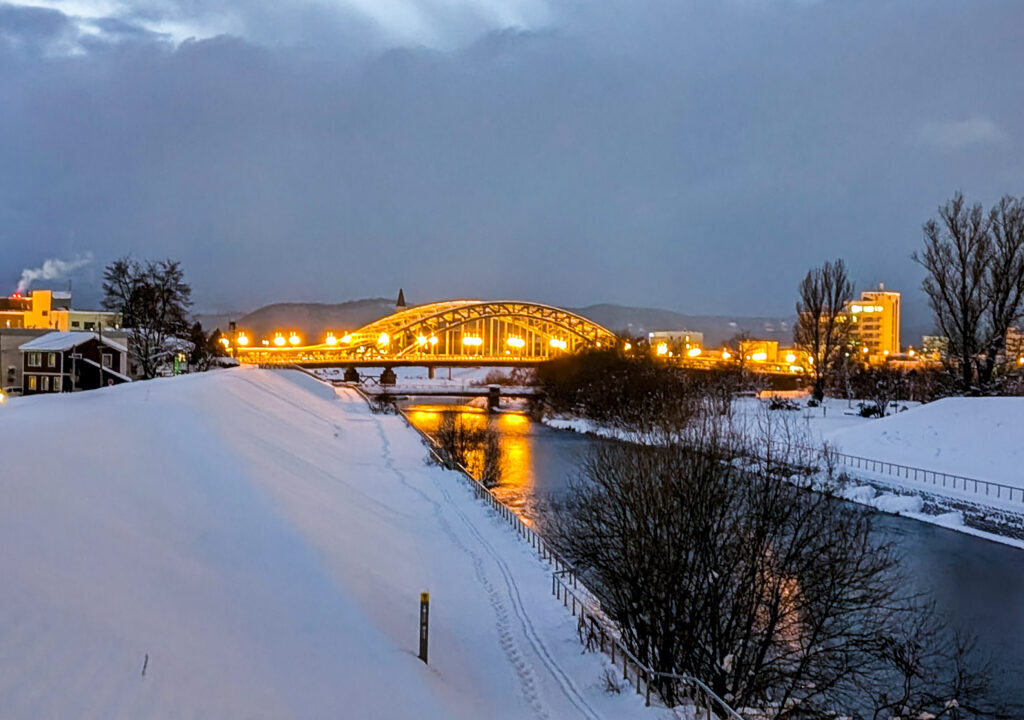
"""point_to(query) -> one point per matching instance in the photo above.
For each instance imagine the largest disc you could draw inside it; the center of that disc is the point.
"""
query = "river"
(975, 583)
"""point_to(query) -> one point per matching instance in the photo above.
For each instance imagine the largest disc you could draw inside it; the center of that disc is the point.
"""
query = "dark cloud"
(32, 31)
(696, 156)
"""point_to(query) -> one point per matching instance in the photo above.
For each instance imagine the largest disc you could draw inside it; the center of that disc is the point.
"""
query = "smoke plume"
(52, 269)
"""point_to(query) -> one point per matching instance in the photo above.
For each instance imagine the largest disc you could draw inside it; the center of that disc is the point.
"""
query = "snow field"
(979, 438)
(264, 539)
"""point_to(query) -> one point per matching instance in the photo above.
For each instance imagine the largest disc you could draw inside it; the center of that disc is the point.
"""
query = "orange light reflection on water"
(515, 486)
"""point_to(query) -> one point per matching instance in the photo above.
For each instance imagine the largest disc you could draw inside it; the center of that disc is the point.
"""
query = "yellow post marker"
(424, 623)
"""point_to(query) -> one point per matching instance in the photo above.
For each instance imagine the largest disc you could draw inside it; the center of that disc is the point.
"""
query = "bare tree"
(474, 446)
(956, 256)
(780, 598)
(153, 301)
(975, 282)
(1004, 280)
(822, 329)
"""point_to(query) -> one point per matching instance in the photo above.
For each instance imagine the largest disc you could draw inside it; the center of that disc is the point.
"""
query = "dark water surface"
(976, 584)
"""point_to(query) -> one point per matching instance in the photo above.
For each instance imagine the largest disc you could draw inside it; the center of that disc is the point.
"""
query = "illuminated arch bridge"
(457, 331)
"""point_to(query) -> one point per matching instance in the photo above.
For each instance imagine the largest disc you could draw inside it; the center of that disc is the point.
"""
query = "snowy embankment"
(979, 438)
(976, 438)
(264, 540)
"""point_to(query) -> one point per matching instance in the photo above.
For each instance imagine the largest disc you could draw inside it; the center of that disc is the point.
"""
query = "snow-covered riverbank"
(976, 438)
(263, 539)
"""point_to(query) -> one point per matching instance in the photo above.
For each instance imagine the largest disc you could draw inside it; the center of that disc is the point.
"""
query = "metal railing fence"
(983, 489)
(935, 478)
(566, 586)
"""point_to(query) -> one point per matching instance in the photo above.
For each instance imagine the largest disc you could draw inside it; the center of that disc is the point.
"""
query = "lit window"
(56, 384)
(32, 382)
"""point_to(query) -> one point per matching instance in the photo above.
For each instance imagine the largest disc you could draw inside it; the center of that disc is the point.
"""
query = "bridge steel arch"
(474, 330)
(453, 331)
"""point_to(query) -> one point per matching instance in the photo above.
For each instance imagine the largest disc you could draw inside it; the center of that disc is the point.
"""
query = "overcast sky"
(697, 155)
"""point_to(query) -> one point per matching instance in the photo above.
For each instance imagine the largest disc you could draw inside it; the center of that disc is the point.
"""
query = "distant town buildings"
(676, 343)
(25, 318)
(873, 320)
(51, 310)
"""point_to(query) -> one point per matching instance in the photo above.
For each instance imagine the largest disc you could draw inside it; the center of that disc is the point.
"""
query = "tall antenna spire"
(400, 303)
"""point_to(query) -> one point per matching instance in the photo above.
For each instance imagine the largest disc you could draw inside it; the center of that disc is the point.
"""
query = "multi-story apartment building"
(875, 323)
(51, 310)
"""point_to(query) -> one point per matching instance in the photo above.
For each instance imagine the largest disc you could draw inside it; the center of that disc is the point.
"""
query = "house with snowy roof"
(70, 361)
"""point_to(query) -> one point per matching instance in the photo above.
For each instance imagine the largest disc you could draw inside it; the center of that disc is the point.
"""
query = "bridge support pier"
(430, 371)
(388, 377)
(351, 374)
(493, 397)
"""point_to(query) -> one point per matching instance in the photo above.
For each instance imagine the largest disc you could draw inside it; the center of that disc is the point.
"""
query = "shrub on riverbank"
(629, 393)
(476, 447)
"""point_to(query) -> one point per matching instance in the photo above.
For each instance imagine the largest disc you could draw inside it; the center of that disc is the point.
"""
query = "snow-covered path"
(264, 540)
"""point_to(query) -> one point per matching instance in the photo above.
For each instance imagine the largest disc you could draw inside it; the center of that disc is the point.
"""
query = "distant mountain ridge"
(313, 320)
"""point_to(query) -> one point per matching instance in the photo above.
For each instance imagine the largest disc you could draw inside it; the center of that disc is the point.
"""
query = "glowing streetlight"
(346, 338)
(790, 358)
(759, 356)
(383, 339)
(294, 339)
(279, 339)
(662, 349)
(726, 354)
(242, 339)
(627, 347)
(516, 342)
(693, 352)
(558, 343)
(433, 340)
(421, 340)
(225, 342)
(330, 339)
(472, 340)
